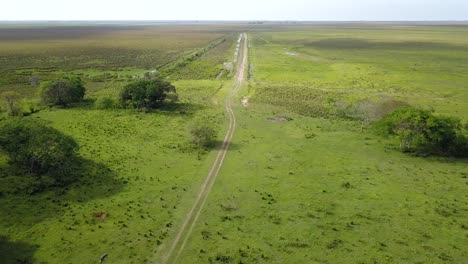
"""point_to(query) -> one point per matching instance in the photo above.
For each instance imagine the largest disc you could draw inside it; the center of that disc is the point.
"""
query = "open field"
(422, 65)
(102, 53)
(137, 168)
(299, 184)
(135, 174)
(318, 190)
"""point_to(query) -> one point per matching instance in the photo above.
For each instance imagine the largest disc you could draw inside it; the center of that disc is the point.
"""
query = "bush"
(11, 103)
(368, 111)
(37, 148)
(423, 133)
(30, 107)
(202, 135)
(104, 103)
(62, 92)
(147, 94)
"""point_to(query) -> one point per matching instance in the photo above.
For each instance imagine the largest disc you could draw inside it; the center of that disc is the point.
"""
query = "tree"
(38, 148)
(63, 92)
(148, 94)
(422, 132)
(10, 102)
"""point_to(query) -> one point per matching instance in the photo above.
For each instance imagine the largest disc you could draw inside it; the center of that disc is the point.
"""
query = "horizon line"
(221, 20)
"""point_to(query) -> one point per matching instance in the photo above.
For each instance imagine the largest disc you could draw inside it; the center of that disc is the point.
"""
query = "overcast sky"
(234, 10)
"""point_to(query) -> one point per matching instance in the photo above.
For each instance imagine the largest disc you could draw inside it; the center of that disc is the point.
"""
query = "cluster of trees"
(38, 149)
(147, 94)
(423, 133)
(59, 92)
(50, 155)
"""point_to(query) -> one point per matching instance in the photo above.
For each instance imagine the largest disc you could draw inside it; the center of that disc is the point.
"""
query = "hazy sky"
(234, 10)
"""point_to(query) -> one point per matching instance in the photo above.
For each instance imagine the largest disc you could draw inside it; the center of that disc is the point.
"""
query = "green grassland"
(138, 168)
(318, 190)
(422, 65)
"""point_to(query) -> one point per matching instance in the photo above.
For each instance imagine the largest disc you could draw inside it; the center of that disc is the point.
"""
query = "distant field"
(100, 53)
(422, 65)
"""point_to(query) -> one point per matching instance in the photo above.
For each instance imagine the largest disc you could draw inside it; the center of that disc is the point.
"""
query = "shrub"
(202, 135)
(11, 103)
(422, 132)
(368, 111)
(62, 92)
(104, 103)
(38, 148)
(30, 106)
(34, 80)
(147, 94)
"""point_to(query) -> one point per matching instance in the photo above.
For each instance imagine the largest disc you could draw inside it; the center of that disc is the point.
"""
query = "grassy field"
(314, 189)
(101, 54)
(138, 169)
(318, 190)
(422, 65)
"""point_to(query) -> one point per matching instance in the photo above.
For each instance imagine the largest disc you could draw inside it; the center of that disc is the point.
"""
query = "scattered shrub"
(62, 92)
(34, 80)
(367, 110)
(38, 148)
(423, 133)
(202, 135)
(147, 94)
(30, 107)
(104, 103)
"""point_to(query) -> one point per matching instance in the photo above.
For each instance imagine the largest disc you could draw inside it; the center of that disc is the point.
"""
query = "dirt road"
(173, 253)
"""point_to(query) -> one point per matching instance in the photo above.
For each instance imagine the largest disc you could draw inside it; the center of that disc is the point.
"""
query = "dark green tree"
(38, 148)
(422, 132)
(148, 94)
(62, 92)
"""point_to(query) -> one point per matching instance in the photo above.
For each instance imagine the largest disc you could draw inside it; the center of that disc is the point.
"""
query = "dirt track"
(173, 253)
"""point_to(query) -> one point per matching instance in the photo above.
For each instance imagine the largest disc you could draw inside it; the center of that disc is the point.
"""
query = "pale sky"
(312, 10)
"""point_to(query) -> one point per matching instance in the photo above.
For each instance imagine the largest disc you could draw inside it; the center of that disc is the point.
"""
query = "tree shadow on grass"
(180, 108)
(218, 145)
(16, 252)
(25, 201)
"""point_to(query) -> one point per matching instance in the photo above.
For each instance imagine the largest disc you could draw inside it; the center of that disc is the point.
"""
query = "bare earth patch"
(245, 101)
(278, 119)
(101, 215)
